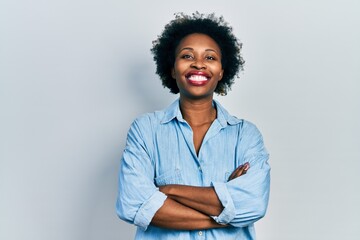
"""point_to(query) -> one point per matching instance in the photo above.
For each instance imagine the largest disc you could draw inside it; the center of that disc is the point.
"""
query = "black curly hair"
(164, 47)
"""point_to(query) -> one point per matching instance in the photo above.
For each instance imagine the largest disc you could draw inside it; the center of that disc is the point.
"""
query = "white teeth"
(197, 78)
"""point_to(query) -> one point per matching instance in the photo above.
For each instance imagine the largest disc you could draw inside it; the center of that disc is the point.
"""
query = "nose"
(198, 64)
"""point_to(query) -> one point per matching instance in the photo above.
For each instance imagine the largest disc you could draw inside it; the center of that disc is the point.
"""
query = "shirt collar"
(224, 118)
(171, 112)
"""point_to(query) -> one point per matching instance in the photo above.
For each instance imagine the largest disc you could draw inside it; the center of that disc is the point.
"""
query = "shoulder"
(149, 119)
(227, 119)
(142, 130)
(249, 126)
(155, 119)
(245, 128)
(149, 122)
(249, 130)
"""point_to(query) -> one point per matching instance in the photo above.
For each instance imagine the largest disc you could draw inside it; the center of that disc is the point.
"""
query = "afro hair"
(183, 25)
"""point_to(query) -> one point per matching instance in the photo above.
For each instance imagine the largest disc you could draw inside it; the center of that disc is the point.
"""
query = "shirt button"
(200, 233)
(200, 169)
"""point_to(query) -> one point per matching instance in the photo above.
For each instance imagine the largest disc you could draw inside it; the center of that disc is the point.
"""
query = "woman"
(192, 171)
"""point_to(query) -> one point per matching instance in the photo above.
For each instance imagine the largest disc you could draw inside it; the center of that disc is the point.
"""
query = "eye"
(186, 56)
(210, 58)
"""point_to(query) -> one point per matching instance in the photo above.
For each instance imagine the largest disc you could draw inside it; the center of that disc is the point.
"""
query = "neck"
(197, 112)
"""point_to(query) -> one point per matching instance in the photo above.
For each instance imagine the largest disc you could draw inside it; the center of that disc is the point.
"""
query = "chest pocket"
(169, 177)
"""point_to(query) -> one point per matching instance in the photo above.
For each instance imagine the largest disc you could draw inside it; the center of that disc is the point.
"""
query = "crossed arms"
(240, 201)
(189, 207)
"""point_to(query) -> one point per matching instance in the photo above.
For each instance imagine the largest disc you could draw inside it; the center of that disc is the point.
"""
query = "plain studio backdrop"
(75, 74)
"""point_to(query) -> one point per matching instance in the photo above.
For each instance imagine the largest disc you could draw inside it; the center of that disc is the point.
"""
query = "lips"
(197, 78)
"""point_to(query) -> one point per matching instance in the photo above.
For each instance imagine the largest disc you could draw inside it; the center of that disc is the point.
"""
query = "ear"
(221, 75)
(173, 73)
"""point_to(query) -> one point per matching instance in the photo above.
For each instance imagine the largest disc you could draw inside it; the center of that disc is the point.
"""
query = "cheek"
(176, 74)
(174, 70)
(177, 70)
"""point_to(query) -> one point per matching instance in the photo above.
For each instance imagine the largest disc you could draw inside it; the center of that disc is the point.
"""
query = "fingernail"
(247, 166)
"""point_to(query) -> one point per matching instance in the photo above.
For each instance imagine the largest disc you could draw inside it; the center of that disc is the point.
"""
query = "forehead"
(198, 41)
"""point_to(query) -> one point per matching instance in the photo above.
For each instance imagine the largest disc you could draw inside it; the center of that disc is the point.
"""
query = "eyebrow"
(189, 48)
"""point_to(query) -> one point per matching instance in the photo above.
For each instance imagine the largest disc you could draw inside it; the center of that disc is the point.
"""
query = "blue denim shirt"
(160, 151)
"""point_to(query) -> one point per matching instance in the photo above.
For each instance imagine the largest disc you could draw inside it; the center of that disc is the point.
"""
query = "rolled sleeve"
(148, 209)
(224, 196)
(245, 198)
(138, 198)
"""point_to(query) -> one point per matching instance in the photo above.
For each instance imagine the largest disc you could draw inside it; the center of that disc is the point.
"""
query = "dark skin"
(190, 207)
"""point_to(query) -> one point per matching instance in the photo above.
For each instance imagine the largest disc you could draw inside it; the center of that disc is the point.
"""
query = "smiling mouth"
(197, 78)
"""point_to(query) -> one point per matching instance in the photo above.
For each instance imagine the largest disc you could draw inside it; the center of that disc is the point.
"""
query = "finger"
(245, 169)
(241, 170)
(236, 172)
(232, 175)
(246, 166)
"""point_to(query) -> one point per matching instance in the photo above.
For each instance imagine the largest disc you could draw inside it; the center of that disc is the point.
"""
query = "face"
(197, 69)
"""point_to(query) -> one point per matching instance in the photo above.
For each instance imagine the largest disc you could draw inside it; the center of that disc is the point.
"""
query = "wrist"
(165, 189)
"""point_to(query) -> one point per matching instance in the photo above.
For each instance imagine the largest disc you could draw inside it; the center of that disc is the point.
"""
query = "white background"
(74, 74)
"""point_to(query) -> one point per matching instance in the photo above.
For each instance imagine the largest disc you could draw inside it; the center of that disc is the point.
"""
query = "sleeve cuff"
(148, 209)
(223, 194)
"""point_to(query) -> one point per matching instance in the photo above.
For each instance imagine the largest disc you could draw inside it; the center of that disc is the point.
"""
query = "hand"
(239, 171)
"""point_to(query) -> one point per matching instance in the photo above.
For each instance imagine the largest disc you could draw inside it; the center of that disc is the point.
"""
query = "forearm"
(203, 199)
(174, 215)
